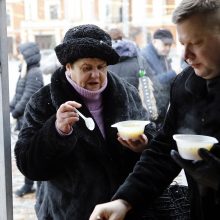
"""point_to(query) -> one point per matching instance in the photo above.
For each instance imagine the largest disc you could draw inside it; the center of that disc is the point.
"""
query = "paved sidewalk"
(23, 208)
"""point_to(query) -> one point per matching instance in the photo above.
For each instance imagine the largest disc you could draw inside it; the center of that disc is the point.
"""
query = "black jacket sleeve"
(154, 171)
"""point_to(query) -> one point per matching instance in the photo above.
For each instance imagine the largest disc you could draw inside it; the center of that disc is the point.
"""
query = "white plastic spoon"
(88, 121)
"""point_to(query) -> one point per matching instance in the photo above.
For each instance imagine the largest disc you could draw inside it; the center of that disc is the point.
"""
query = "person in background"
(156, 55)
(131, 64)
(194, 106)
(49, 64)
(128, 66)
(116, 34)
(29, 81)
(79, 167)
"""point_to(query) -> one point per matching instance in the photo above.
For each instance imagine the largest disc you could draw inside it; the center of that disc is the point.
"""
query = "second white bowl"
(188, 144)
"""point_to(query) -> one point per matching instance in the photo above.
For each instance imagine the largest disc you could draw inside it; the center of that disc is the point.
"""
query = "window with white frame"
(52, 9)
(31, 9)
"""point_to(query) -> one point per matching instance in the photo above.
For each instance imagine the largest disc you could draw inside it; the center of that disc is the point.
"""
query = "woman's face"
(88, 73)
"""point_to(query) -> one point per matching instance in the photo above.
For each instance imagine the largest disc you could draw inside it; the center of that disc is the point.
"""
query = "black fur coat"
(83, 169)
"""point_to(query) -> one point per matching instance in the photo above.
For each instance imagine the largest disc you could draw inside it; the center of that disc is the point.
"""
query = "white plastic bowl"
(131, 129)
(188, 145)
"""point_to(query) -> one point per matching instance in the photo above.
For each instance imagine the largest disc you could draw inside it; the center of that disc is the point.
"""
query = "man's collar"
(196, 85)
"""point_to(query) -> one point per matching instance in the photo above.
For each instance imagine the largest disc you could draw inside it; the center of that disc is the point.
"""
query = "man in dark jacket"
(29, 81)
(156, 55)
(194, 107)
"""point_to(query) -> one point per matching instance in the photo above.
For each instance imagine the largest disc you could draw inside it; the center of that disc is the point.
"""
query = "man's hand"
(115, 210)
(66, 116)
(137, 145)
(205, 172)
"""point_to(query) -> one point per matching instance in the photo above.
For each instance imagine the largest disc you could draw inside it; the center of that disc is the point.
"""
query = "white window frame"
(49, 3)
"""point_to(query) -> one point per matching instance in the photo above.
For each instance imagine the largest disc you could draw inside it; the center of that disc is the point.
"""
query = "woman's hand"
(115, 210)
(137, 145)
(66, 116)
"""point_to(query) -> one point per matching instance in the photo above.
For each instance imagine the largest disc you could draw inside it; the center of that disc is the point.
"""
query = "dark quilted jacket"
(26, 86)
(128, 66)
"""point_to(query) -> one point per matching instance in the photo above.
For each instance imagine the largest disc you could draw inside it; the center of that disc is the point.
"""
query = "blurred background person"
(116, 34)
(49, 64)
(29, 81)
(130, 67)
(156, 55)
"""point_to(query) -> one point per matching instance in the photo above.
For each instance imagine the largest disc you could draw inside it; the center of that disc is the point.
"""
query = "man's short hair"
(164, 35)
(116, 34)
(187, 8)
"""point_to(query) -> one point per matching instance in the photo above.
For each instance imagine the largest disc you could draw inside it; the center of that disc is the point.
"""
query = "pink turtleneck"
(93, 101)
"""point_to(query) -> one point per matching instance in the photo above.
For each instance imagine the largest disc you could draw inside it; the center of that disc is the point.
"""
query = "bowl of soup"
(130, 129)
(188, 144)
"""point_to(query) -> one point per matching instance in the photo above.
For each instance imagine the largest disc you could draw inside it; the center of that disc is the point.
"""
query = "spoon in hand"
(88, 121)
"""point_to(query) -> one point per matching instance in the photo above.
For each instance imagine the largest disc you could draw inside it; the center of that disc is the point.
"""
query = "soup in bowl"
(130, 129)
(188, 144)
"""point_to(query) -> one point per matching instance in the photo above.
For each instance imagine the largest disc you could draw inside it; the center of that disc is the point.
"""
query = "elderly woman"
(79, 167)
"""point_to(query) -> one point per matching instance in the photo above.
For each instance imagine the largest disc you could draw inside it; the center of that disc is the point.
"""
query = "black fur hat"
(86, 41)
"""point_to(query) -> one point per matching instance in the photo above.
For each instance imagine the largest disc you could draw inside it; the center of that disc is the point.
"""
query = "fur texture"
(80, 170)
(86, 41)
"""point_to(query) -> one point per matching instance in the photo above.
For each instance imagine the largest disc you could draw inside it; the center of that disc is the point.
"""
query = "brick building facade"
(46, 21)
